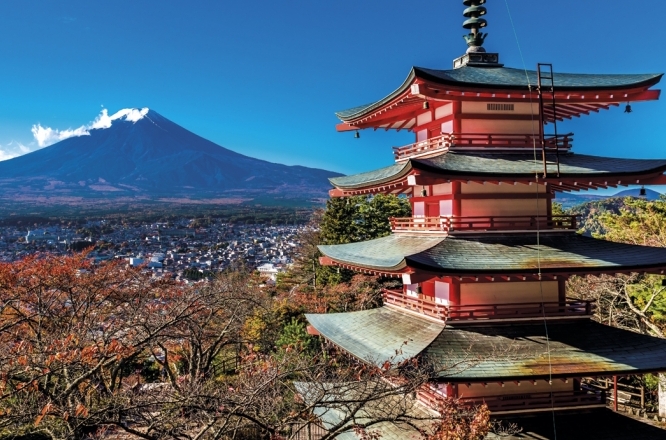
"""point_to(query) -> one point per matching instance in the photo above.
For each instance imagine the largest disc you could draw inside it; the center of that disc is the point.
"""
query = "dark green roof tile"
(377, 176)
(524, 165)
(381, 253)
(555, 252)
(498, 352)
(514, 351)
(505, 78)
(509, 165)
(333, 414)
(497, 253)
(378, 335)
(580, 425)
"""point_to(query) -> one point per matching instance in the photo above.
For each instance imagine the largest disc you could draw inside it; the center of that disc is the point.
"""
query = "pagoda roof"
(378, 335)
(602, 423)
(323, 397)
(499, 352)
(496, 254)
(506, 165)
(504, 78)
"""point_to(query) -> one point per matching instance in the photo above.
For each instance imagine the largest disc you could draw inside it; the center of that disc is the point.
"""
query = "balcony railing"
(521, 310)
(483, 312)
(535, 401)
(474, 141)
(416, 304)
(483, 223)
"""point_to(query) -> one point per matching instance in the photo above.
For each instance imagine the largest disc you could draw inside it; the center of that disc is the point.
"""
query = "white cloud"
(12, 150)
(130, 114)
(46, 136)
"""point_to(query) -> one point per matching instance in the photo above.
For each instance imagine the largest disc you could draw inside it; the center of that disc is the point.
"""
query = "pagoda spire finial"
(475, 38)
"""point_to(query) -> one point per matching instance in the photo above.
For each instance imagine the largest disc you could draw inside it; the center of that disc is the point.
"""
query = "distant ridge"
(635, 192)
(569, 200)
(142, 155)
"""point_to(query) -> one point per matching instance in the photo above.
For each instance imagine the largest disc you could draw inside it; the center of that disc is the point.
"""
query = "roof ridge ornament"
(475, 38)
(476, 55)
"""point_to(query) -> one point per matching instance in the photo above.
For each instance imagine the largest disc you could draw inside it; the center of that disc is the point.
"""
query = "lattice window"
(501, 107)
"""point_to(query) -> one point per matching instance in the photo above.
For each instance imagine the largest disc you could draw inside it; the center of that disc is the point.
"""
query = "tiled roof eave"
(532, 271)
(647, 83)
(423, 165)
(487, 254)
(353, 114)
(518, 351)
(360, 267)
(373, 182)
(446, 169)
(362, 110)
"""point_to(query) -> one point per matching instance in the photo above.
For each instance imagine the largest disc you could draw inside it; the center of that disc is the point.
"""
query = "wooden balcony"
(484, 312)
(540, 401)
(476, 141)
(448, 224)
(570, 308)
(424, 306)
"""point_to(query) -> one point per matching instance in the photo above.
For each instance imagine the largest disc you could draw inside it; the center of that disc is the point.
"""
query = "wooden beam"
(345, 127)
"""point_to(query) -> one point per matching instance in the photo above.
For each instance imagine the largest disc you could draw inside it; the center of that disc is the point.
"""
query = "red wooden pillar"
(454, 292)
(456, 190)
(457, 120)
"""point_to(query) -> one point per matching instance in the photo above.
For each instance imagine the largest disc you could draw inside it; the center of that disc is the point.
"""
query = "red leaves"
(460, 422)
(81, 411)
(47, 408)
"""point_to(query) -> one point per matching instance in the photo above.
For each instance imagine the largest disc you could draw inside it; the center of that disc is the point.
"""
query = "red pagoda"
(483, 259)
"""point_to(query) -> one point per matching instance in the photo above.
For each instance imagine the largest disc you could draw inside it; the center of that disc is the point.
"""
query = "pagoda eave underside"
(488, 353)
(400, 109)
(576, 172)
(494, 257)
(555, 184)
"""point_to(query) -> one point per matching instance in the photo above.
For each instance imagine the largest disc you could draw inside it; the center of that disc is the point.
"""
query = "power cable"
(538, 217)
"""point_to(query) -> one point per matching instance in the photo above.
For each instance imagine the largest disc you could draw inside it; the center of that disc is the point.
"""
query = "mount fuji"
(139, 154)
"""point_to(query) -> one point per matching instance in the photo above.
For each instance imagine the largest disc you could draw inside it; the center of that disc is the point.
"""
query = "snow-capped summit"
(127, 114)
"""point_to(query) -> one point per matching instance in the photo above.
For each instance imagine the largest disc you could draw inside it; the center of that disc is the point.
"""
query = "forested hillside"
(638, 301)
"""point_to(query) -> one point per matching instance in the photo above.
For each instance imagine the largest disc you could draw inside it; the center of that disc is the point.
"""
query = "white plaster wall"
(504, 188)
(508, 292)
(441, 189)
(503, 207)
(443, 111)
(447, 127)
(498, 126)
(424, 118)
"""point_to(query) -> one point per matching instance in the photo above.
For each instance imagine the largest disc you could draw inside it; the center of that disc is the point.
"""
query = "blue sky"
(265, 77)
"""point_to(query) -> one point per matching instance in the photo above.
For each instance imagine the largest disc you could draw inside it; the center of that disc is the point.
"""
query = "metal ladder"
(546, 89)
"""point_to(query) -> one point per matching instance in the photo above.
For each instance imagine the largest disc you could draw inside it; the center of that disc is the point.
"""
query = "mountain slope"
(153, 157)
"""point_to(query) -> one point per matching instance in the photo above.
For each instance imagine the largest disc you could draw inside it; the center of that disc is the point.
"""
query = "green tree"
(339, 221)
(374, 214)
(354, 219)
(295, 335)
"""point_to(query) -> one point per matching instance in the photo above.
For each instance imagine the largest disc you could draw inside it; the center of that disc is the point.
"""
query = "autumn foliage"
(75, 339)
(90, 351)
